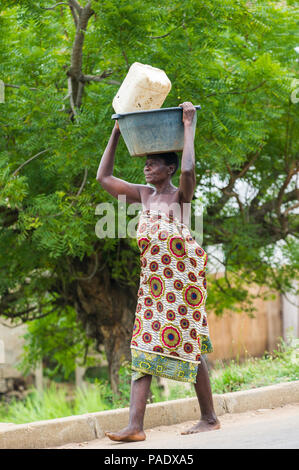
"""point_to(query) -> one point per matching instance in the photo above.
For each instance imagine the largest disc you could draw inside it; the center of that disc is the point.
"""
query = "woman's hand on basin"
(188, 112)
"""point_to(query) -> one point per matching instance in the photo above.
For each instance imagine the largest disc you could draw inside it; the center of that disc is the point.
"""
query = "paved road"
(262, 429)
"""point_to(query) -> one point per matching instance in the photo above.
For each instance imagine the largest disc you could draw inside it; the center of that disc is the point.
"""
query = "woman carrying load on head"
(170, 332)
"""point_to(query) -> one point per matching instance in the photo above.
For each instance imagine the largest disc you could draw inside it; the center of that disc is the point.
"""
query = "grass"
(282, 365)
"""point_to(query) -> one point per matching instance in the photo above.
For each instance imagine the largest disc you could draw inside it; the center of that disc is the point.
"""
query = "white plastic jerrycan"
(145, 87)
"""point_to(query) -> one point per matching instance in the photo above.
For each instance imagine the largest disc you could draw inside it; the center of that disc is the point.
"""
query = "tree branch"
(96, 78)
(70, 94)
(165, 35)
(294, 206)
(78, 194)
(74, 14)
(54, 6)
(76, 5)
(75, 71)
(17, 86)
(249, 90)
(291, 172)
(28, 161)
(234, 194)
(126, 58)
(227, 191)
(270, 205)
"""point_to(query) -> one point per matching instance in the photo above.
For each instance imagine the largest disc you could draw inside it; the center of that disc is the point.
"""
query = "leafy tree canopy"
(62, 64)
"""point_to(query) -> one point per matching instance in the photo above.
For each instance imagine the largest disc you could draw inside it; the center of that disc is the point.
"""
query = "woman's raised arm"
(110, 183)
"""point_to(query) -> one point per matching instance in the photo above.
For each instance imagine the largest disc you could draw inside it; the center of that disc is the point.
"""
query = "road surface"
(261, 429)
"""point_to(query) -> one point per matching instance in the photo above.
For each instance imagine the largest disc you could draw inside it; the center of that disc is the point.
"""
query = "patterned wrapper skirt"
(170, 331)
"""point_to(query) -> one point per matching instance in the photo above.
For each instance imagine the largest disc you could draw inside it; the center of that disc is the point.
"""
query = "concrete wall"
(11, 345)
(290, 306)
(238, 335)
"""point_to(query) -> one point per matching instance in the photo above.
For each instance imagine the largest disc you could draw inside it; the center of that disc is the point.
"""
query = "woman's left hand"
(188, 112)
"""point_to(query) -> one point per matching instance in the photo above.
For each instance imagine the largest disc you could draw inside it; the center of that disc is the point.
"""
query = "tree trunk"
(107, 312)
(116, 340)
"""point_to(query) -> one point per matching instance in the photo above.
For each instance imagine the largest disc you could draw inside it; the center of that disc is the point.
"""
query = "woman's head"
(160, 166)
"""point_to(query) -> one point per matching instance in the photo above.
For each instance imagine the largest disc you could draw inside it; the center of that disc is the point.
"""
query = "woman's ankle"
(210, 418)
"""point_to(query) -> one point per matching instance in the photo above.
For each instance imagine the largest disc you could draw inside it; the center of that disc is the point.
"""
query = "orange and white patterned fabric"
(170, 316)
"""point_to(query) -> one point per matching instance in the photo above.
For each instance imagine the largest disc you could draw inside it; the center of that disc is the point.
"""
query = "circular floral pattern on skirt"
(156, 325)
(142, 227)
(184, 323)
(143, 244)
(178, 285)
(148, 301)
(153, 266)
(156, 286)
(181, 266)
(196, 315)
(166, 259)
(193, 296)
(177, 247)
(158, 349)
(199, 251)
(204, 321)
(205, 283)
(168, 273)
(137, 327)
(138, 308)
(163, 235)
(155, 249)
(160, 307)
(140, 292)
(182, 309)
(170, 315)
(193, 262)
(148, 314)
(170, 297)
(134, 343)
(190, 239)
(192, 277)
(171, 337)
(188, 348)
(193, 333)
(147, 337)
(154, 228)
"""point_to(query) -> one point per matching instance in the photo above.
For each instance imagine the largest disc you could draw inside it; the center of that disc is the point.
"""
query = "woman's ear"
(171, 169)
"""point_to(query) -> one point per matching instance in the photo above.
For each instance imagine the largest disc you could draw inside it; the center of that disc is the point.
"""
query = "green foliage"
(58, 338)
(235, 58)
(58, 401)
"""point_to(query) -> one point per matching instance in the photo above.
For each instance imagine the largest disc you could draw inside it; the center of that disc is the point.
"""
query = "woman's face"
(155, 170)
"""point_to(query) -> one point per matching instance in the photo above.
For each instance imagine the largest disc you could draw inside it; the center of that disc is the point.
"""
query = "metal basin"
(153, 131)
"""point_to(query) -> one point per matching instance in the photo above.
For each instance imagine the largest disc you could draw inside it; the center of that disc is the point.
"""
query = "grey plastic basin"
(153, 131)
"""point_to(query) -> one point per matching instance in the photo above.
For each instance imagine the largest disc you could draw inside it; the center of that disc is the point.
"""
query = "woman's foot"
(127, 435)
(203, 425)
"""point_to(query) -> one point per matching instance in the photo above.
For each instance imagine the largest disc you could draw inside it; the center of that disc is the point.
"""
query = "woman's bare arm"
(110, 183)
(188, 176)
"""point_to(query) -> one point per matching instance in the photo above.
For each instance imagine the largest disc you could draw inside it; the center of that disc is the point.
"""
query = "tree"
(61, 66)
